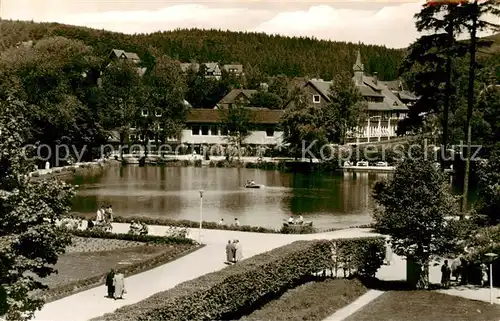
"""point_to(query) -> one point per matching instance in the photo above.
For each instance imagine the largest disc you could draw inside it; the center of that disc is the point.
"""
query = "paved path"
(360, 302)
(92, 303)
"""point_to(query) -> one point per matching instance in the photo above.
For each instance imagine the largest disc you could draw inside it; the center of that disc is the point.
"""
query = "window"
(172, 138)
(270, 132)
(195, 130)
(132, 138)
(214, 131)
(316, 99)
(224, 131)
(158, 113)
(144, 113)
(141, 137)
(204, 130)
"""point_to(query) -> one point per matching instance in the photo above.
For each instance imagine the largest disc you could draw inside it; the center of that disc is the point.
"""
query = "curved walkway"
(92, 303)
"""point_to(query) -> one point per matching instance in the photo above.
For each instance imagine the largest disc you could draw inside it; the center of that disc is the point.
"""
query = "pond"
(329, 200)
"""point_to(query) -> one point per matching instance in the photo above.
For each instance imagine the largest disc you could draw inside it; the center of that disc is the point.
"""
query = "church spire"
(358, 66)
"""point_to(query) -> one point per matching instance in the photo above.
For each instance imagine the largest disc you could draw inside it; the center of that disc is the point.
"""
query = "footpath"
(92, 303)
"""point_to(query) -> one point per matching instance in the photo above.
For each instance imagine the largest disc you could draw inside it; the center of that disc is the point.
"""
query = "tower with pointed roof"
(359, 70)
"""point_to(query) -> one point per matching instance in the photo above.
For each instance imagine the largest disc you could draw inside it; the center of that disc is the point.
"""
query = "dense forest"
(272, 55)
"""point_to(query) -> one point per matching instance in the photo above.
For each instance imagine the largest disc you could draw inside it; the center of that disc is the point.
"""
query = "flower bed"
(239, 289)
(151, 239)
(161, 250)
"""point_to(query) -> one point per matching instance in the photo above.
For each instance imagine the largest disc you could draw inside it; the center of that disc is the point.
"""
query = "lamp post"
(492, 256)
(201, 214)
(379, 127)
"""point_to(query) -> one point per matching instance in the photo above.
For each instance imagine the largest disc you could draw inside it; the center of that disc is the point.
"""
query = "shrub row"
(150, 239)
(64, 290)
(187, 223)
(236, 290)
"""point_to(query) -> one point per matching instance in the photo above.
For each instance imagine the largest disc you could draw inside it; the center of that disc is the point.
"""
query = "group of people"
(104, 214)
(459, 269)
(298, 221)
(115, 283)
(233, 252)
(236, 222)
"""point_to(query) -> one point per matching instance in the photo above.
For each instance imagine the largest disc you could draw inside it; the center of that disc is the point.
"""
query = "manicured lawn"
(425, 305)
(313, 301)
(89, 259)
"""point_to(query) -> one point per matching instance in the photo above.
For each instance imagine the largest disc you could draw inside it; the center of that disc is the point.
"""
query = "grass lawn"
(312, 301)
(425, 305)
(88, 260)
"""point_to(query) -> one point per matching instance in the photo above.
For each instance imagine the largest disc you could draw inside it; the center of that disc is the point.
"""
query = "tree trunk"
(446, 108)
(470, 106)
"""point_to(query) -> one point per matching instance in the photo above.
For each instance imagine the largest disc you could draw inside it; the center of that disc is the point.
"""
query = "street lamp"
(492, 256)
(379, 127)
(201, 214)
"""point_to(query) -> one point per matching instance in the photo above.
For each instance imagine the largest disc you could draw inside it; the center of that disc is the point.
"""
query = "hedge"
(239, 289)
(151, 239)
(359, 256)
(186, 223)
(217, 295)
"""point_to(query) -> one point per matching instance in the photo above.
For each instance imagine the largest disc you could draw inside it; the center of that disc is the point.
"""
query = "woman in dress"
(119, 284)
(239, 253)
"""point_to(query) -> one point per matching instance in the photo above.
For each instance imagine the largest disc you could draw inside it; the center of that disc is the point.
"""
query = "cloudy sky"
(382, 22)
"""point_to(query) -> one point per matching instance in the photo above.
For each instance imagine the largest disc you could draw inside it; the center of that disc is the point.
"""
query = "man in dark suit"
(109, 283)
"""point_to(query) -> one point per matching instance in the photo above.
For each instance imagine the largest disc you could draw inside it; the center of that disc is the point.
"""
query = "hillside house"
(387, 103)
(212, 69)
(118, 54)
(234, 69)
(236, 97)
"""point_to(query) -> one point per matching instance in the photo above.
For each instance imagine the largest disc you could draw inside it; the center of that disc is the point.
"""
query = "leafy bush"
(360, 256)
(228, 292)
(151, 239)
(297, 229)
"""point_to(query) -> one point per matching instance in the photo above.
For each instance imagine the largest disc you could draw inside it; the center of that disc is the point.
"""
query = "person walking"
(110, 283)
(484, 275)
(388, 253)
(229, 252)
(119, 285)
(238, 254)
(109, 214)
(445, 275)
(100, 215)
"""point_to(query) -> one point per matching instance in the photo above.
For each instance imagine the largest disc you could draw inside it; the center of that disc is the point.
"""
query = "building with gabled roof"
(386, 103)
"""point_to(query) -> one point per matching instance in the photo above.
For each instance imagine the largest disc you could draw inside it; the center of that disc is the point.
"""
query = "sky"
(379, 22)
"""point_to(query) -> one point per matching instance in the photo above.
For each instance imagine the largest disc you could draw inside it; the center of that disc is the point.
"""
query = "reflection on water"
(173, 192)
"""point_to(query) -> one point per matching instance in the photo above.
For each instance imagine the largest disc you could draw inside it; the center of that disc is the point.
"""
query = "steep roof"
(127, 55)
(235, 93)
(323, 87)
(257, 115)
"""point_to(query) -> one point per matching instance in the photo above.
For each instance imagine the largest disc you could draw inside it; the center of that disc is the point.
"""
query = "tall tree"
(303, 128)
(120, 90)
(163, 97)
(266, 99)
(237, 122)
(345, 110)
(472, 14)
(30, 241)
(412, 208)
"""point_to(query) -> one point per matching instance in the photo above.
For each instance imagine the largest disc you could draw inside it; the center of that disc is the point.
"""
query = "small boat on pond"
(253, 186)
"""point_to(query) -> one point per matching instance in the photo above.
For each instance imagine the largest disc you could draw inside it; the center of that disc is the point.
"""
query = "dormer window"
(158, 113)
(144, 113)
(316, 99)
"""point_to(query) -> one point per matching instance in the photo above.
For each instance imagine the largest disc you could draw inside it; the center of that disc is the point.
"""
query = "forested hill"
(272, 55)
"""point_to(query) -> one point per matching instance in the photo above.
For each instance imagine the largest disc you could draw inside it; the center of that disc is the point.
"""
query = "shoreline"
(71, 170)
